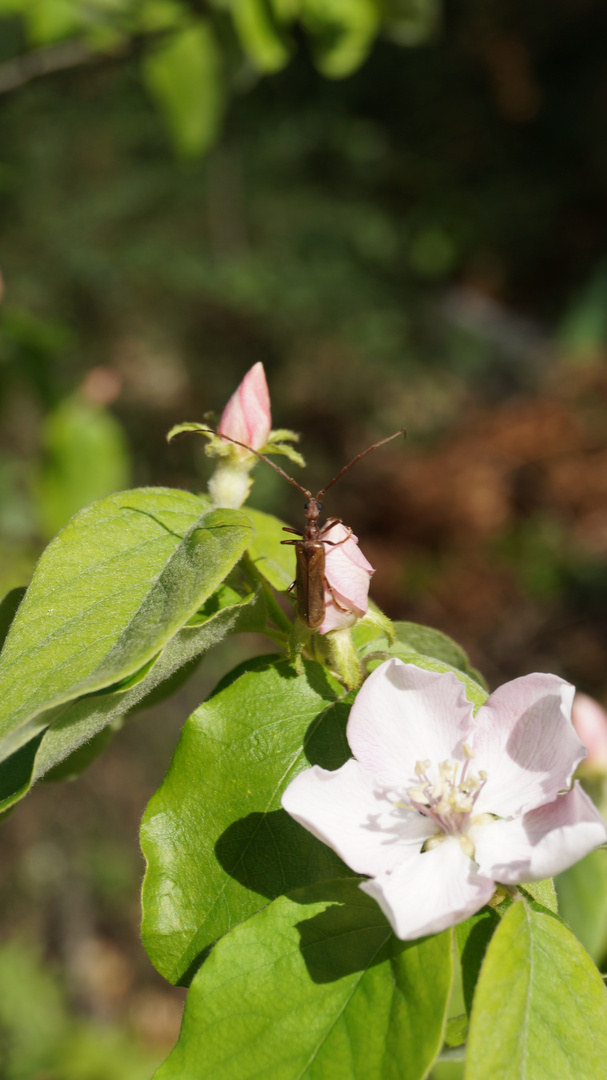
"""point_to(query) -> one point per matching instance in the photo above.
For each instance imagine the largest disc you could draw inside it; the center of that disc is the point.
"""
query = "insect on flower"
(311, 583)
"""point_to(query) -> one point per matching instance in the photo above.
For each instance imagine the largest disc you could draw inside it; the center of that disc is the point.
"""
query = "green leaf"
(375, 656)
(431, 642)
(275, 562)
(86, 457)
(544, 893)
(217, 843)
(260, 35)
(123, 576)
(582, 893)
(457, 1030)
(81, 731)
(70, 767)
(343, 33)
(183, 74)
(315, 987)
(549, 1000)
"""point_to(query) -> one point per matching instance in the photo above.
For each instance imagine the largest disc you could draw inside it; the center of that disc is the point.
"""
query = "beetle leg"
(336, 602)
(293, 583)
(290, 541)
(333, 543)
(297, 532)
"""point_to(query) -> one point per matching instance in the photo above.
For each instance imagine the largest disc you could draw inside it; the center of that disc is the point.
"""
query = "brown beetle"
(310, 578)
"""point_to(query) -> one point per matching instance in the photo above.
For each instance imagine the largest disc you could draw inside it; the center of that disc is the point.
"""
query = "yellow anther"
(468, 751)
(417, 794)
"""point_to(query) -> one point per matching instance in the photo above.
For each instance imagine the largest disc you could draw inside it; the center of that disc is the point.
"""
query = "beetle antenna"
(401, 431)
(263, 457)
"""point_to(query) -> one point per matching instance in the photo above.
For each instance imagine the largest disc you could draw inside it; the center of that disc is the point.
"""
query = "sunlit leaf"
(542, 988)
(109, 592)
(315, 987)
(217, 842)
(83, 729)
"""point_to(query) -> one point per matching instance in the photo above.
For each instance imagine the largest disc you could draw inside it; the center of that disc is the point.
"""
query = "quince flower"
(590, 721)
(347, 577)
(438, 805)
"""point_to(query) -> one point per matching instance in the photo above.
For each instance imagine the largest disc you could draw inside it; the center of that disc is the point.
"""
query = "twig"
(67, 54)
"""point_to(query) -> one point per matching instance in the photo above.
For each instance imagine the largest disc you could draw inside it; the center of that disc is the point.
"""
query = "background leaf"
(85, 458)
(274, 562)
(431, 642)
(582, 893)
(260, 36)
(550, 1001)
(342, 33)
(316, 986)
(108, 593)
(183, 74)
(217, 843)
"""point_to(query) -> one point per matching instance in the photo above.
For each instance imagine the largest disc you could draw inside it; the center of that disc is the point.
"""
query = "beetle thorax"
(313, 511)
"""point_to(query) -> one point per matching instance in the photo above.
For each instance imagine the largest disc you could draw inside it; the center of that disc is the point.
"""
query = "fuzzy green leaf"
(108, 593)
(82, 729)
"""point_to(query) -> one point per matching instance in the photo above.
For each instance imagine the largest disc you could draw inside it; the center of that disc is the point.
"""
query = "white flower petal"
(526, 743)
(430, 892)
(353, 814)
(543, 842)
(404, 714)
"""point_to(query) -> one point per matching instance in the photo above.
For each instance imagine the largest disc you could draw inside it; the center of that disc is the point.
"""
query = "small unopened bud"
(246, 416)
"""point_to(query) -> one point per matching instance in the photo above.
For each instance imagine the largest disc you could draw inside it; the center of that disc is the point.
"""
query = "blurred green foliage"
(41, 1039)
(192, 59)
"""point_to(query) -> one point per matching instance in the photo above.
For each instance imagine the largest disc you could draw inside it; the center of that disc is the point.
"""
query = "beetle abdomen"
(310, 582)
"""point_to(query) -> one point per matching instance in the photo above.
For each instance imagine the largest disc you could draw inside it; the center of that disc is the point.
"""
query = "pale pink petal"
(347, 571)
(335, 617)
(525, 742)
(404, 714)
(246, 416)
(542, 843)
(347, 577)
(355, 816)
(429, 892)
(590, 722)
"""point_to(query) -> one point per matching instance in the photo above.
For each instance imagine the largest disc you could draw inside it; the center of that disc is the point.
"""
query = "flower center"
(449, 798)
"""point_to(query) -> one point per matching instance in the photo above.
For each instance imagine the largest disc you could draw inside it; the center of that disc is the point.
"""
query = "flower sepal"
(343, 657)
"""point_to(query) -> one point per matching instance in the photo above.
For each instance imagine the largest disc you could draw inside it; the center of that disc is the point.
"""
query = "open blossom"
(246, 416)
(347, 577)
(590, 722)
(438, 805)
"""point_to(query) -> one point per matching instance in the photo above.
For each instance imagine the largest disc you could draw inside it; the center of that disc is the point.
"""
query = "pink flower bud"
(590, 722)
(247, 417)
(347, 578)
